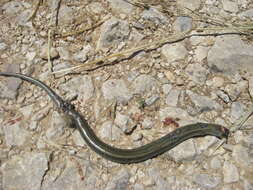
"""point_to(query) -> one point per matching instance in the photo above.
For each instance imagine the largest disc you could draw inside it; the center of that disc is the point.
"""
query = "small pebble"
(137, 136)
(180, 81)
(170, 76)
(217, 82)
(230, 172)
(53, 53)
(147, 123)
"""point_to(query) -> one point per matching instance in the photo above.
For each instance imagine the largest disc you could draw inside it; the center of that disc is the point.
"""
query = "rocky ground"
(135, 100)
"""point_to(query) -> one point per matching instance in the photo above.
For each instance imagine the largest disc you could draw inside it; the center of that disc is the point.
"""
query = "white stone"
(172, 97)
(192, 5)
(174, 52)
(230, 6)
(116, 89)
(201, 53)
(14, 134)
(230, 172)
(121, 6)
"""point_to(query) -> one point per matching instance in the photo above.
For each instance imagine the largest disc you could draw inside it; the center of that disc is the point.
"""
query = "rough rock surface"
(114, 32)
(226, 55)
(25, 172)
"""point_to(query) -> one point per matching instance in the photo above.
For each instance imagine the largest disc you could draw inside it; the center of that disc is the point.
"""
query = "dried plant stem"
(150, 46)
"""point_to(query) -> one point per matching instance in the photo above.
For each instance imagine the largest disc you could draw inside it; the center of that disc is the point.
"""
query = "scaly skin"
(127, 156)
